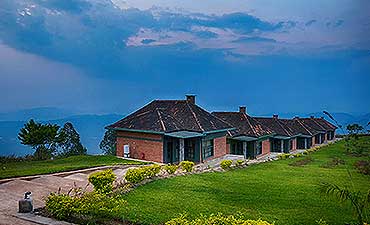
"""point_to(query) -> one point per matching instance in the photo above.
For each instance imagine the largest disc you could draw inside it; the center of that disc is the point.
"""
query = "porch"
(243, 146)
(281, 144)
(189, 146)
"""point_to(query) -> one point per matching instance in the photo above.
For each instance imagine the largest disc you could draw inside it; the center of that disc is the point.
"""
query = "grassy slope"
(16, 169)
(272, 191)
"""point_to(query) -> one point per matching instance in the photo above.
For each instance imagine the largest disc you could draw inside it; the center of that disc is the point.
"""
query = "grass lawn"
(16, 169)
(274, 191)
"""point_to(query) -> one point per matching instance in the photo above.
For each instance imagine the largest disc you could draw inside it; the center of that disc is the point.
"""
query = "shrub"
(239, 162)
(226, 164)
(363, 166)
(61, 206)
(87, 206)
(151, 171)
(284, 156)
(139, 174)
(187, 166)
(103, 180)
(215, 219)
(298, 155)
(170, 169)
(135, 175)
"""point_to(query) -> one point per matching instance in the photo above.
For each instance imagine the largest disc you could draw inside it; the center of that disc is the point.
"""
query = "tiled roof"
(244, 124)
(312, 125)
(276, 125)
(296, 126)
(325, 124)
(170, 116)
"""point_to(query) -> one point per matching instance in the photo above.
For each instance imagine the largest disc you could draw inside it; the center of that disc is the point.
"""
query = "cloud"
(309, 23)
(335, 24)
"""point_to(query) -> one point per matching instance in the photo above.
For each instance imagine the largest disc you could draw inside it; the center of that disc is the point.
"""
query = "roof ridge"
(313, 119)
(300, 122)
(195, 117)
(160, 119)
(282, 126)
(249, 122)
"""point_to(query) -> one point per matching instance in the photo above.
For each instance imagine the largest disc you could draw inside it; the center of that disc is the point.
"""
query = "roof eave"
(134, 130)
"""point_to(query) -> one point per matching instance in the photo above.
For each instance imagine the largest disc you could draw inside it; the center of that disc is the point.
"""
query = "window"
(207, 146)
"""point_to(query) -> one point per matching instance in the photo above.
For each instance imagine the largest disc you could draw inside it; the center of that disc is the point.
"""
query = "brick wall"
(266, 147)
(294, 144)
(142, 145)
(228, 148)
(220, 148)
(313, 141)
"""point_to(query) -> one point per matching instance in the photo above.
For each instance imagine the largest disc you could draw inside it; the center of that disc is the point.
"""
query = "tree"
(70, 141)
(108, 144)
(360, 202)
(42, 138)
(354, 128)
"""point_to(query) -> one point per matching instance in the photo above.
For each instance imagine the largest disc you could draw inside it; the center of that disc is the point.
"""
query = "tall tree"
(41, 137)
(354, 128)
(108, 144)
(70, 143)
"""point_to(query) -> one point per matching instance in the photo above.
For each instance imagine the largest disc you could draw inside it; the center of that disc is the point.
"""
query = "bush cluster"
(226, 164)
(215, 219)
(103, 181)
(171, 169)
(139, 174)
(239, 162)
(187, 166)
(284, 156)
(87, 206)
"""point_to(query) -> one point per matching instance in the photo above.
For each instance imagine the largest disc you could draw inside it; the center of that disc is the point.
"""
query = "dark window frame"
(208, 148)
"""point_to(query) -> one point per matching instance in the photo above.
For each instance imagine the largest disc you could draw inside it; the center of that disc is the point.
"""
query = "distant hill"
(42, 113)
(90, 128)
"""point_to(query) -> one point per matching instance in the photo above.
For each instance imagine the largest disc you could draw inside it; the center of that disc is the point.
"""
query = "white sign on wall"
(126, 151)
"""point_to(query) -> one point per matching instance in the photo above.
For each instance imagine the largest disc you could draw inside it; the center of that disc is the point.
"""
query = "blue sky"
(100, 56)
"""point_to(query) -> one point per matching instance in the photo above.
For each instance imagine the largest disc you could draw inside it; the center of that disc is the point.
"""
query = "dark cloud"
(254, 40)
(309, 23)
(147, 41)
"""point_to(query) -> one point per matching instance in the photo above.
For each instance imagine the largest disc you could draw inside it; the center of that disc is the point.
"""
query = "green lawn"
(274, 191)
(16, 169)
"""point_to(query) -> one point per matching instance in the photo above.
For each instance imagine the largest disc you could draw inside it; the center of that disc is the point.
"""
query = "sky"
(101, 56)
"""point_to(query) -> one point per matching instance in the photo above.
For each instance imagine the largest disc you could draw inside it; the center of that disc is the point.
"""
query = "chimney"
(190, 98)
(275, 116)
(243, 109)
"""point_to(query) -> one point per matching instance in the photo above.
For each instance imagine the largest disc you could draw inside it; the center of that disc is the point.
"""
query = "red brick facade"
(294, 144)
(220, 148)
(266, 147)
(313, 141)
(142, 145)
